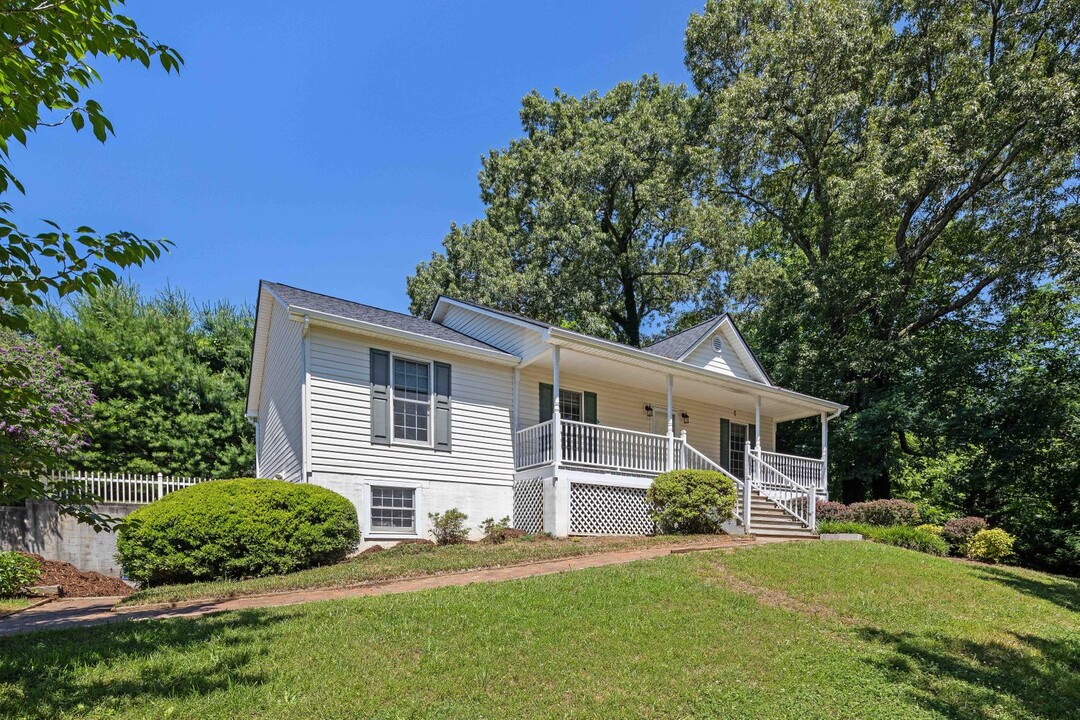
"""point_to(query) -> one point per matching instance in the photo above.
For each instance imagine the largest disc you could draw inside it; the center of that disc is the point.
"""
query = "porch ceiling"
(689, 382)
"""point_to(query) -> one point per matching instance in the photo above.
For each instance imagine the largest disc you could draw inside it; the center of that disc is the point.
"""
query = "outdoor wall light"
(685, 419)
(648, 410)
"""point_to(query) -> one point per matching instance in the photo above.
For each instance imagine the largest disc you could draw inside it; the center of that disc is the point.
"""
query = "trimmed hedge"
(234, 529)
(691, 501)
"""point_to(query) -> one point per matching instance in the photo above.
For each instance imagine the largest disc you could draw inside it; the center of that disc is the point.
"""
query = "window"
(737, 454)
(393, 510)
(412, 400)
(570, 405)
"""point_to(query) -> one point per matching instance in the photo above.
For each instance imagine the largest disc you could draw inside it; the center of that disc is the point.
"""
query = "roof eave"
(395, 333)
(558, 336)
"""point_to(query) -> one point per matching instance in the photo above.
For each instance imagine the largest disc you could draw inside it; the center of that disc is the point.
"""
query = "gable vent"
(717, 344)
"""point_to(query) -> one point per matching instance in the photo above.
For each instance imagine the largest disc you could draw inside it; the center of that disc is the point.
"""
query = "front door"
(737, 450)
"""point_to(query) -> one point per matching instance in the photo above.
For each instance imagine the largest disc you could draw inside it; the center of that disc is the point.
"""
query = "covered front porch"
(607, 425)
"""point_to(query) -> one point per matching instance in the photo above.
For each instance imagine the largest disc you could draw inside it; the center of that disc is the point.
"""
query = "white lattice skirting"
(529, 504)
(609, 510)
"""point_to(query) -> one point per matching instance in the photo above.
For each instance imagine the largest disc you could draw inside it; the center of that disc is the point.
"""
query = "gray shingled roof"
(677, 345)
(317, 302)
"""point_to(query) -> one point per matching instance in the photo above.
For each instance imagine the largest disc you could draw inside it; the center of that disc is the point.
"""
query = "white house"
(500, 415)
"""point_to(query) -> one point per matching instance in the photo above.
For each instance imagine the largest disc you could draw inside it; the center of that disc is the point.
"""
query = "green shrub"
(491, 527)
(958, 532)
(449, 527)
(17, 572)
(885, 512)
(234, 529)
(691, 501)
(830, 511)
(913, 538)
(992, 546)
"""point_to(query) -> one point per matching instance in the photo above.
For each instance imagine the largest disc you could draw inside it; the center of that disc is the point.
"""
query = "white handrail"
(796, 500)
(801, 470)
(600, 446)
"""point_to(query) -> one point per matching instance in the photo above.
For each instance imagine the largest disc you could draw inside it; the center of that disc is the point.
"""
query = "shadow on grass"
(958, 678)
(43, 675)
(1058, 590)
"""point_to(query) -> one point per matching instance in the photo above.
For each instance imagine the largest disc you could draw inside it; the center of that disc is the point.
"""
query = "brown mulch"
(79, 583)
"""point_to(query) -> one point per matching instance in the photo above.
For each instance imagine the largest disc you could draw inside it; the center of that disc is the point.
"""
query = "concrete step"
(773, 532)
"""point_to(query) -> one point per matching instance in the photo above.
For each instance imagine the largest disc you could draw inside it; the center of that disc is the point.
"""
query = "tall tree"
(45, 51)
(170, 381)
(902, 166)
(591, 219)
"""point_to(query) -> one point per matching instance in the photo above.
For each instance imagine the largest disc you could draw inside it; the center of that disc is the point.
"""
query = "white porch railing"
(125, 488)
(802, 470)
(611, 448)
(796, 500)
(532, 446)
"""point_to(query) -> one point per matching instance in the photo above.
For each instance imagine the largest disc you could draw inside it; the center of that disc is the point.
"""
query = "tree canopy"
(170, 381)
(45, 71)
(591, 218)
(900, 165)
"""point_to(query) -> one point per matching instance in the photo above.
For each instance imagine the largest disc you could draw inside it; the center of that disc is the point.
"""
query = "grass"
(806, 630)
(405, 561)
(11, 604)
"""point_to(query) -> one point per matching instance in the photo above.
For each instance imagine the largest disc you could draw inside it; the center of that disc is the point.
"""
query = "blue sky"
(328, 148)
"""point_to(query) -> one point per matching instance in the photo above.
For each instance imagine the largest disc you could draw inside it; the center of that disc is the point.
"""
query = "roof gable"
(695, 346)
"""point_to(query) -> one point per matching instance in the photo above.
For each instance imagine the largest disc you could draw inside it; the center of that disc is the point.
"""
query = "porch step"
(792, 532)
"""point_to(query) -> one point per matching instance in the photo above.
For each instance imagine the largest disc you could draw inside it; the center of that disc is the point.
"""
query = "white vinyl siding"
(727, 361)
(280, 402)
(482, 395)
(623, 406)
(504, 334)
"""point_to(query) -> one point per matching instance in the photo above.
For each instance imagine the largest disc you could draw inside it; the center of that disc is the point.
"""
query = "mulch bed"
(79, 583)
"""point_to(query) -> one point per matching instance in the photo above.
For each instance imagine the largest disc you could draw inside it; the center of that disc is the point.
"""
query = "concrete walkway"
(80, 612)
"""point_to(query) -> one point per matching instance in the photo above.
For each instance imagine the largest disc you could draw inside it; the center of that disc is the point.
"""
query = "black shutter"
(589, 409)
(380, 397)
(725, 444)
(547, 402)
(442, 407)
(753, 436)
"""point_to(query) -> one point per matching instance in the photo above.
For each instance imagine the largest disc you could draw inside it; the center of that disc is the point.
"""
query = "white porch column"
(757, 424)
(556, 421)
(670, 424)
(825, 454)
(682, 450)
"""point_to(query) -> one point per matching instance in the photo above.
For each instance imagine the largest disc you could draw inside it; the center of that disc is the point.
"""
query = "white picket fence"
(125, 488)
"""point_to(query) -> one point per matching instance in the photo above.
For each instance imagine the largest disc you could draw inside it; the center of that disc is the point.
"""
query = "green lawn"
(405, 561)
(801, 631)
(9, 604)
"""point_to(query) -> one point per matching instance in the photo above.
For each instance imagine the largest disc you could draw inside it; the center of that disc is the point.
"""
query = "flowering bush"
(990, 546)
(834, 512)
(932, 529)
(960, 531)
(43, 412)
(886, 512)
